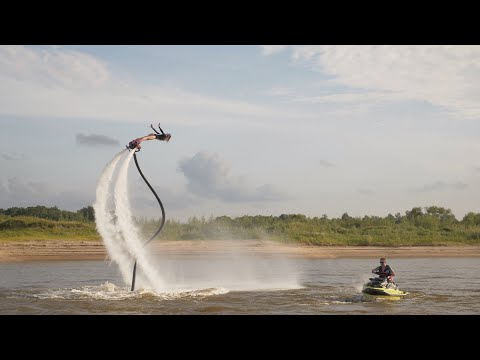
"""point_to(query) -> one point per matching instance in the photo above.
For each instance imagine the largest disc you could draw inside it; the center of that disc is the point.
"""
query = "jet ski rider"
(384, 271)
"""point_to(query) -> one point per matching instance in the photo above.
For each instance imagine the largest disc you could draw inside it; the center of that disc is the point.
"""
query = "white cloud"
(445, 76)
(95, 140)
(350, 97)
(272, 49)
(442, 186)
(209, 176)
(59, 83)
(18, 191)
(280, 91)
(172, 199)
(53, 66)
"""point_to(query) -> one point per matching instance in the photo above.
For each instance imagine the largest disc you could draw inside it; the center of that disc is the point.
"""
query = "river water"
(253, 285)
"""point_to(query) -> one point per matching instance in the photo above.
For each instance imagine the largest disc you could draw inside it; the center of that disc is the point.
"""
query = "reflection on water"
(209, 285)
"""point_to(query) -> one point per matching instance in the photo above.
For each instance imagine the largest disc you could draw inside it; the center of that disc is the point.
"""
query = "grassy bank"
(420, 230)
(32, 228)
(319, 232)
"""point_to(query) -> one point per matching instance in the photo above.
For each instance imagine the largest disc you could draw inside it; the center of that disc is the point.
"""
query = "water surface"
(261, 285)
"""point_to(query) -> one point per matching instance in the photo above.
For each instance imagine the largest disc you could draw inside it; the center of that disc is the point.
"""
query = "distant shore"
(44, 250)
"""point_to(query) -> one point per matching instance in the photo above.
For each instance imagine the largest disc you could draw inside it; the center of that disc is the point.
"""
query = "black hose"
(161, 225)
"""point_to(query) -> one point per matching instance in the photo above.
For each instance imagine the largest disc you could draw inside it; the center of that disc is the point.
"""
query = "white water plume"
(105, 221)
(131, 235)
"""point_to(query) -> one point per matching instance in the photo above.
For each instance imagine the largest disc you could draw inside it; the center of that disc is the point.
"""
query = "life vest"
(387, 270)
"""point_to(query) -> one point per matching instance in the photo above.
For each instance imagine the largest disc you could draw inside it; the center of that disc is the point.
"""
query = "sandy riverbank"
(94, 250)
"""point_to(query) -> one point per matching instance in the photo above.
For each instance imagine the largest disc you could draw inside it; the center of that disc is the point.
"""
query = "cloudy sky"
(368, 130)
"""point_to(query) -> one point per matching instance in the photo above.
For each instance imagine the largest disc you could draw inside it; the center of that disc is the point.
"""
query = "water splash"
(111, 292)
(133, 240)
(105, 221)
(125, 244)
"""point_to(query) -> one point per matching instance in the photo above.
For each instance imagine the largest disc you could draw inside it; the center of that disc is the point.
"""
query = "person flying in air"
(135, 144)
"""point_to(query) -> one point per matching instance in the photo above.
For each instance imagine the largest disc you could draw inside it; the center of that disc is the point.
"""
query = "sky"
(256, 130)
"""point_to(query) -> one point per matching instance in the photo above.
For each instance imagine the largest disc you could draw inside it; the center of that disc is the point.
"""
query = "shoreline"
(66, 250)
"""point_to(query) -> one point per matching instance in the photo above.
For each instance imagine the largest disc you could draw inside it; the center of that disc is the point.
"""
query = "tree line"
(432, 225)
(85, 214)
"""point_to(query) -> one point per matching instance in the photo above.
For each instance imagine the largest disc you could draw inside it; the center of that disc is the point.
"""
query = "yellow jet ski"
(381, 287)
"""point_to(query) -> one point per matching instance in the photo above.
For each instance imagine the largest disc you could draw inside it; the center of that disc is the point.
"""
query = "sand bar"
(43, 250)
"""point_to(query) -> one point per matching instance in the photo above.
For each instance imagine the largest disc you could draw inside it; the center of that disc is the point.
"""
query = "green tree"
(87, 213)
(414, 213)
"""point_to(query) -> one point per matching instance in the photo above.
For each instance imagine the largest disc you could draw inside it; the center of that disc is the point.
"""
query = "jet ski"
(379, 286)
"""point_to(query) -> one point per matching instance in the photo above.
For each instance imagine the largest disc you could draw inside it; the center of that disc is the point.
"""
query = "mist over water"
(230, 270)
(233, 272)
